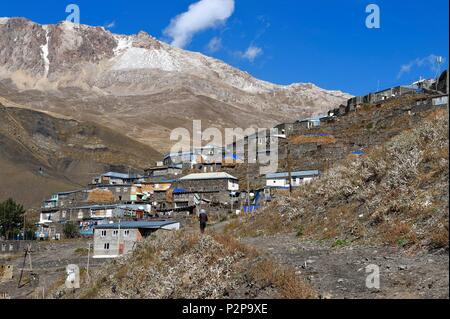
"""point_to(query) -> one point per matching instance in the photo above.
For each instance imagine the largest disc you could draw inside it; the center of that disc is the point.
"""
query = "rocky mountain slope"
(141, 86)
(41, 154)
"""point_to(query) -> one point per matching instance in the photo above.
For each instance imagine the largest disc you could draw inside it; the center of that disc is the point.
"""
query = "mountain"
(138, 85)
(41, 154)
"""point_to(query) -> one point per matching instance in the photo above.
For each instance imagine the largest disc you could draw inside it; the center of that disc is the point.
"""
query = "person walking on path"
(203, 219)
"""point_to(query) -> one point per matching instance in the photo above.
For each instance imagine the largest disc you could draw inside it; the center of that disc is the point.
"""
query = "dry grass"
(397, 195)
(190, 265)
(257, 225)
(303, 139)
(398, 233)
(440, 237)
(269, 274)
(234, 246)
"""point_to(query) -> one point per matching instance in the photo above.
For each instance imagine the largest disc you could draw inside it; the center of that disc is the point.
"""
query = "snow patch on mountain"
(44, 52)
(139, 58)
(123, 43)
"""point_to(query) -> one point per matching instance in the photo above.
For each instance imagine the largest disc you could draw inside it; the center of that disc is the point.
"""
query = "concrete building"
(115, 240)
(281, 180)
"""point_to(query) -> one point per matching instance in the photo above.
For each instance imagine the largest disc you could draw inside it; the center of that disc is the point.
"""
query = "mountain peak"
(66, 57)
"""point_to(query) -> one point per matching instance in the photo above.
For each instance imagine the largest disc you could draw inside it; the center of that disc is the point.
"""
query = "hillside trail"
(340, 273)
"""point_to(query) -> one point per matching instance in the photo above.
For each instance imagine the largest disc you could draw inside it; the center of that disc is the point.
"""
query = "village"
(168, 194)
(117, 209)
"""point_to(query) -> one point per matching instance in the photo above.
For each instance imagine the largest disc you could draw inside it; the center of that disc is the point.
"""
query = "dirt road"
(341, 272)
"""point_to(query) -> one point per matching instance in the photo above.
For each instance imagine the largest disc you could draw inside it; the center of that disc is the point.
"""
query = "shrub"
(71, 230)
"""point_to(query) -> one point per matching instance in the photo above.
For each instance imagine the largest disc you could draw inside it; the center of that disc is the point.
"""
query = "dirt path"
(341, 272)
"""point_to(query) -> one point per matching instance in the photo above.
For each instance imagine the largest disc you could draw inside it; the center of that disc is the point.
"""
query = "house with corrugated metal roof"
(114, 178)
(281, 180)
(118, 239)
(209, 187)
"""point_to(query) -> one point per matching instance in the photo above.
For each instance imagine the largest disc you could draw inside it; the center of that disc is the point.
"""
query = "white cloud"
(200, 16)
(251, 54)
(429, 61)
(215, 44)
(110, 25)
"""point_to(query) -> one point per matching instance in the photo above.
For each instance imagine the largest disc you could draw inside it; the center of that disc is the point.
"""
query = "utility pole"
(24, 214)
(118, 240)
(232, 200)
(248, 186)
(288, 164)
(87, 267)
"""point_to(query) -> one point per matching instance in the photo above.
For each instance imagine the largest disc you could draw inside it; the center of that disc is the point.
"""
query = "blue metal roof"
(69, 192)
(138, 224)
(96, 207)
(293, 174)
(116, 175)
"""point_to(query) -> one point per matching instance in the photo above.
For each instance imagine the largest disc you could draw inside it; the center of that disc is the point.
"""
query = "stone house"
(164, 171)
(113, 178)
(211, 187)
(64, 199)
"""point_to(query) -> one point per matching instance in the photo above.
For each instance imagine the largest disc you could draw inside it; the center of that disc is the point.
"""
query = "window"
(3, 247)
(126, 233)
(106, 246)
(115, 233)
(103, 233)
(11, 247)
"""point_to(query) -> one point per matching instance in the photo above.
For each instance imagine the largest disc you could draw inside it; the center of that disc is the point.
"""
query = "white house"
(281, 180)
(115, 240)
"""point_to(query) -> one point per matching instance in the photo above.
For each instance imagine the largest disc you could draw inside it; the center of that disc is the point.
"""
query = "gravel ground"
(340, 273)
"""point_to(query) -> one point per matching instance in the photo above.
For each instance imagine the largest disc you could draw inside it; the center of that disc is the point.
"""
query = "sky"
(325, 42)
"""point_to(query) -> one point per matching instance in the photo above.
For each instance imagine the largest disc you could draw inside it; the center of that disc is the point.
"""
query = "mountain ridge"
(138, 85)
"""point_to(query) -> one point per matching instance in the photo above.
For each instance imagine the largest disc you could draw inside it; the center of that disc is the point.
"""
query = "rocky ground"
(341, 272)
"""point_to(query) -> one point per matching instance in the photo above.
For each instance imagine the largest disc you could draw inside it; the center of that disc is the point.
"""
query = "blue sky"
(325, 42)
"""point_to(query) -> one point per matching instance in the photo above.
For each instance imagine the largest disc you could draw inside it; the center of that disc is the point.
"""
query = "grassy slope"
(187, 265)
(396, 195)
